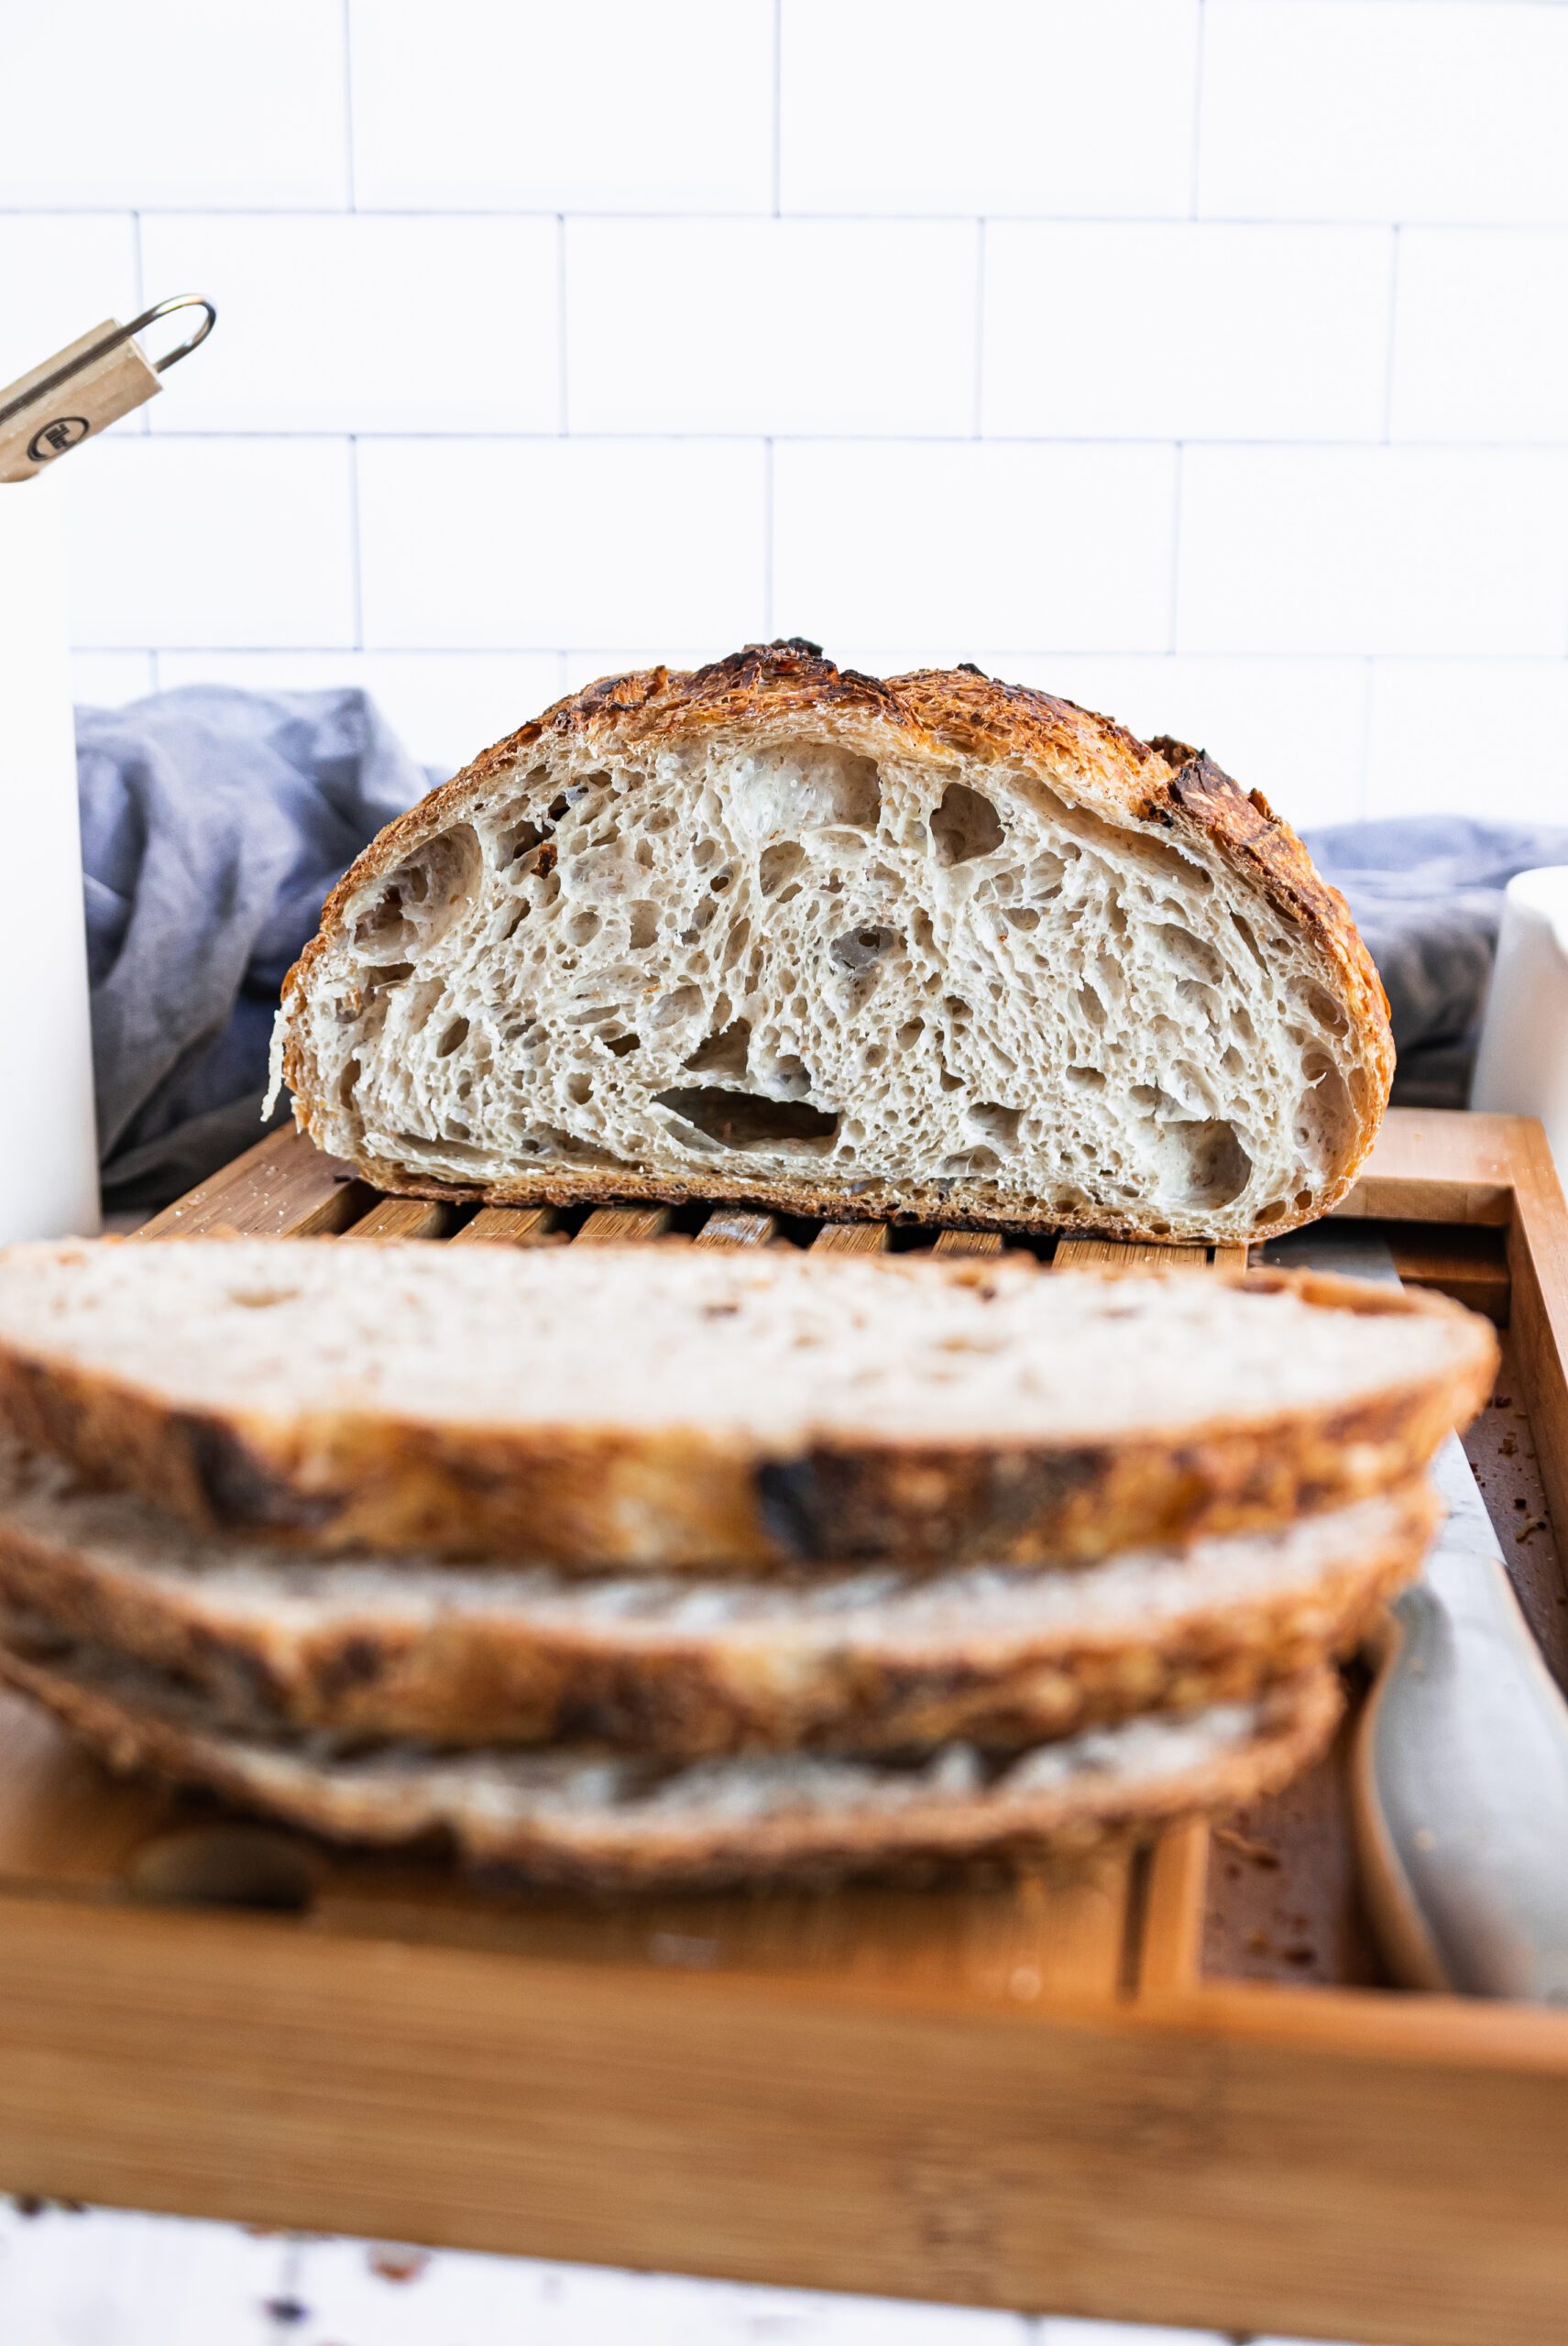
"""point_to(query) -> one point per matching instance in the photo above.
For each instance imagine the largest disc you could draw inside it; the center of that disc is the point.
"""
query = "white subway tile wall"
(1205, 360)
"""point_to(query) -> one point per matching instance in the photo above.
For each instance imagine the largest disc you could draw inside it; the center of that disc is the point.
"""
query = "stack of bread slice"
(667, 1566)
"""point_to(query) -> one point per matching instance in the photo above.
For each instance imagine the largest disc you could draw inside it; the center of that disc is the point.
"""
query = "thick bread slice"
(657, 1404)
(878, 1659)
(938, 946)
(662, 1405)
(606, 1822)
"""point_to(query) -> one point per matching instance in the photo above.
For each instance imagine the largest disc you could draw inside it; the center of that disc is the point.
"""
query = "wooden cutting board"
(1174, 2087)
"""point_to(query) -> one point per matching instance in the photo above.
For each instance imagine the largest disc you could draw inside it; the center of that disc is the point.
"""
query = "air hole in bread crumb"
(1089, 1002)
(806, 786)
(1326, 1010)
(520, 840)
(683, 1003)
(996, 1123)
(583, 927)
(579, 1090)
(621, 1045)
(747, 1120)
(1202, 1160)
(1087, 1079)
(1248, 936)
(1026, 916)
(262, 1299)
(909, 1033)
(723, 1053)
(456, 1032)
(964, 824)
(643, 923)
(421, 899)
(860, 947)
(778, 863)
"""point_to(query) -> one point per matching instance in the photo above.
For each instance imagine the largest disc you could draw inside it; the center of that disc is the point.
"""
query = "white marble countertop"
(101, 2277)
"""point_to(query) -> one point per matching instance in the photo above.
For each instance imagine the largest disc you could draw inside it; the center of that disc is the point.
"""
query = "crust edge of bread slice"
(609, 1496)
(481, 1667)
(1091, 1795)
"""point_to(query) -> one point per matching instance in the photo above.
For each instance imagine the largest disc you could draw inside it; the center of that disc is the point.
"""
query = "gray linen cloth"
(215, 821)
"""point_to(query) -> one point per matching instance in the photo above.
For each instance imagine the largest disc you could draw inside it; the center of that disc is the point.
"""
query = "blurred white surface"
(1522, 1064)
(104, 2278)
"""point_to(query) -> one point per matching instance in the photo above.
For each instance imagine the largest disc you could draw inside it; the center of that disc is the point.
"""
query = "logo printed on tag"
(53, 439)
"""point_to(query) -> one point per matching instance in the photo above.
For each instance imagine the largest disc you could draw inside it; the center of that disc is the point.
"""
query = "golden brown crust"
(596, 1497)
(599, 1851)
(490, 1676)
(930, 711)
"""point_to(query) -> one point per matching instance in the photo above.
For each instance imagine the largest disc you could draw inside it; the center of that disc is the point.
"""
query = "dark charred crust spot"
(1174, 753)
(357, 1661)
(923, 1506)
(239, 1490)
(794, 1505)
(630, 691)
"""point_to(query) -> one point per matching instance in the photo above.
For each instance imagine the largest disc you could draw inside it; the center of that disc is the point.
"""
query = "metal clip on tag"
(89, 384)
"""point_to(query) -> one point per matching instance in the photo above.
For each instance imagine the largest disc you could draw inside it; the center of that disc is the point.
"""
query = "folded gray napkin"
(215, 821)
(1427, 892)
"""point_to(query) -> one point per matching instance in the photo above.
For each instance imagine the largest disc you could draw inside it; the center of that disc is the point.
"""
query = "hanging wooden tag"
(92, 383)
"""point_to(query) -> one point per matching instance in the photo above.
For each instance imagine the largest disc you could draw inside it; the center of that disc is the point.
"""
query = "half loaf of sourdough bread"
(937, 947)
(870, 1659)
(661, 1405)
(603, 1821)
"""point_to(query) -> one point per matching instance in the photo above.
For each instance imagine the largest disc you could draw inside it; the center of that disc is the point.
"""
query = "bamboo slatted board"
(1176, 2088)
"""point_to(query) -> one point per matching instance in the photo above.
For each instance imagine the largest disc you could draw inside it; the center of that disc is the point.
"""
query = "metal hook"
(161, 310)
(36, 392)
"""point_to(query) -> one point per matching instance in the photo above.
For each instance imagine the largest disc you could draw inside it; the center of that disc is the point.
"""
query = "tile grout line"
(1347, 658)
(1286, 223)
(1362, 445)
(356, 565)
(1174, 551)
(1396, 253)
(767, 541)
(778, 110)
(980, 260)
(348, 105)
(1193, 180)
(561, 379)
